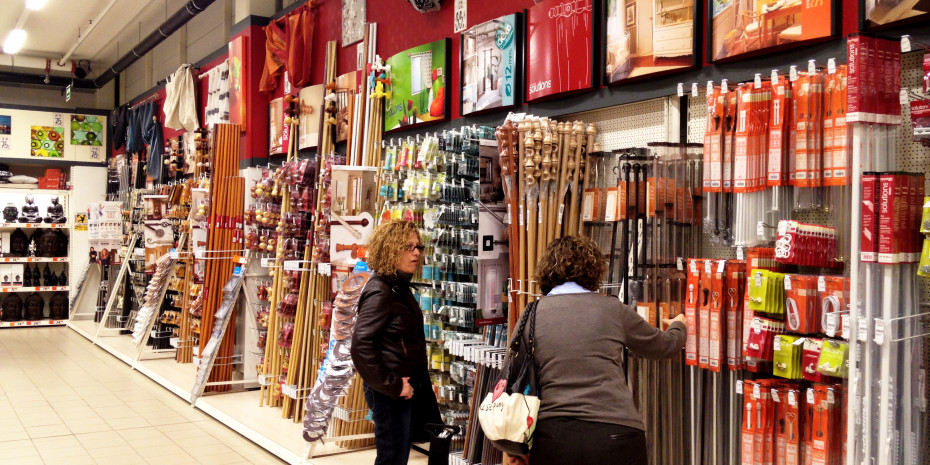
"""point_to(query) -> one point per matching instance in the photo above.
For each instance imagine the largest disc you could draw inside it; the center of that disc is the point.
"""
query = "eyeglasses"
(411, 247)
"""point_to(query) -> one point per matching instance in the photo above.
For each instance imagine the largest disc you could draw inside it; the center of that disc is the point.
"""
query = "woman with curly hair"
(587, 414)
(388, 345)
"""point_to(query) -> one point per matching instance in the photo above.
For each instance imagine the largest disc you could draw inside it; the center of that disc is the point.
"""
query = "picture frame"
(879, 15)
(739, 29)
(562, 43)
(491, 65)
(422, 98)
(643, 39)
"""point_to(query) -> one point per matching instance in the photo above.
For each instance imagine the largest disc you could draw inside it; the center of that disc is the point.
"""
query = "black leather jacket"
(388, 343)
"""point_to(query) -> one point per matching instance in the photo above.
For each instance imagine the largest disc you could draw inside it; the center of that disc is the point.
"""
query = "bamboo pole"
(576, 146)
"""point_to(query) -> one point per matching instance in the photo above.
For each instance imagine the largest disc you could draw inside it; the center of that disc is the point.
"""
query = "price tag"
(831, 66)
(198, 253)
(863, 334)
(95, 153)
(681, 264)
(793, 73)
(821, 284)
(775, 395)
(757, 82)
(774, 76)
(460, 22)
(758, 278)
(266, 262)
(721, 266)
(756, 392)
(287, 84)
(174, 254)
(787, 282)
(708, 266)
(831, 397)
(756, 325)
(904, 97)
(810, 396)
(845, 322)
(740, 255)
(521, 214)
(792, 399)
(289, 390)
(811, 66)
(879, 331)
(905, 44)
(777, 344)
(739, 386)
(693, 267)
(262, 380)
(694, 89)
(174, 341)
(760, 228)
(325, 269)
(710, 87)
(681, 89)
(831, 324)
(723, 85)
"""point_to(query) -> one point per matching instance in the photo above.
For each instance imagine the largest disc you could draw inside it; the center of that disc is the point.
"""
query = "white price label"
(460, 21)
(681, 89)
(287, 84)
(693, 267)
(561, 212)
(723, 85)
(262, 380)
(845, 322)
(775, 395)
(95, 153)
(757, 81)
(774, 76)
(740, 255)
(831, 66)
(905, 44)
(879, 331)
(777, 344)
(758, 278)
(174, 341)
(760, 228)
(787, 282)
(198, 253)
(521, 215)
(681, 264)
(174, 255)
(863, 334)
(821, 284)
(810, 396)
(289, 390)
(710, 87)
(792, 399)
(721, 266)
(831, 397)
(694, 89)
(708, 266)
(739, 386)
(811, 66)
(756, 392)
(291, 265)
(325, 269)
(793, 73)
(832, 321)
(903, 97)
(267, 262)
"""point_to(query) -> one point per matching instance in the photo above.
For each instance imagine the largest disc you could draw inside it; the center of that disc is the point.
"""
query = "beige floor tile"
(18, 449)
(150, 448)
(146, 433)
(34, 460)
(113, 451)
(31, 421)
(48, 431)
(129, 459)
(100, 440)
(63, 453)
(89, 427)
(263, 459)
(173, 459)
(115, 412)
(58, 442)
(126, 423)
(221, 459)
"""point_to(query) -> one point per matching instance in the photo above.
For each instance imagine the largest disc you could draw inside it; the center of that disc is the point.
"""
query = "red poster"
(559, 47)
(237, 81)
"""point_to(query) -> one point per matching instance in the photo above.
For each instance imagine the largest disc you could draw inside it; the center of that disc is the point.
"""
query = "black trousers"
(561, 441)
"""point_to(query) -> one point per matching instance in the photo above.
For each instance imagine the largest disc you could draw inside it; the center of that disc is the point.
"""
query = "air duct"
(172, 24)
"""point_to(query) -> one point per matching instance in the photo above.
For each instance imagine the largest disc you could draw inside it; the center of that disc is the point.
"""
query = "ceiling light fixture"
(35, 4)
(14, 41)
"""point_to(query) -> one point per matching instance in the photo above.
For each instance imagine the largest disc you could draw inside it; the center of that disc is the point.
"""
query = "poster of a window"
(560, 48)
(491, 64)
(741, 27)
(648, 37)
(418, 86)
(882, 13)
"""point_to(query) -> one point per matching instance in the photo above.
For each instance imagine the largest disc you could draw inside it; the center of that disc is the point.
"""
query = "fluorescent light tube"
(14, 41)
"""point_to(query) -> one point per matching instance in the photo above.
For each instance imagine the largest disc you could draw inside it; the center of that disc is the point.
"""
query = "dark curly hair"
(571, 258)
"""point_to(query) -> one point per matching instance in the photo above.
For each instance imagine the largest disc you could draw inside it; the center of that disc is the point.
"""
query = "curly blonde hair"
(571, 258)
(388, 244)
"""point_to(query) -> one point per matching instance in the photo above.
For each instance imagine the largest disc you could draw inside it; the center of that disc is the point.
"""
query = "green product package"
(834, 359)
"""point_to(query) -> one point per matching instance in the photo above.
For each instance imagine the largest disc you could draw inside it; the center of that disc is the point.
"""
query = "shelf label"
(879, 331)
(267, 262)
(739, 386)
(792, 399)
(905, 44)
(787, 282)
(289, 390)
(694, 89)
(756, 391)
(863, 334)
(740, 255)
(263, 380)
(831, 324)
(810, 396)
(821, 284)
(681, 89)
(775, 395)
(325, 269)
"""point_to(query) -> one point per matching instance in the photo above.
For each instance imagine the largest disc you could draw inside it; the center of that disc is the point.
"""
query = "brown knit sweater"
(579, 341)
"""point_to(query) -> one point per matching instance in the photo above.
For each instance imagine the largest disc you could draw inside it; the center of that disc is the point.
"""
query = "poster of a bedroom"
(745, 26)
(646, 37)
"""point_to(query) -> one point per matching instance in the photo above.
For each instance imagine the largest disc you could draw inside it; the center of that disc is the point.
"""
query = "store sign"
(490, 71)
(559, 48)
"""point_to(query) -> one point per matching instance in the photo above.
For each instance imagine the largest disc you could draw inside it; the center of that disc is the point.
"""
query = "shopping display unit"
(219, 246)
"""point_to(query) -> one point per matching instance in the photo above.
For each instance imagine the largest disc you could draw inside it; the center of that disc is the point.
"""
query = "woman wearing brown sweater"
(587, 414)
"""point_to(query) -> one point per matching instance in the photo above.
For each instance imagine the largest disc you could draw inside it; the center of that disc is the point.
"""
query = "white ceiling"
(52, 30)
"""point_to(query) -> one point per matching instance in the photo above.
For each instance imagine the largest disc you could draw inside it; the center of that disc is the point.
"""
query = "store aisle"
(65, 401)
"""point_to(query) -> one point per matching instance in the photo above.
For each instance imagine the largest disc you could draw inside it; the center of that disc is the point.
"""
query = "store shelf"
(32, 189)
(35, 226)
(39, 161)
(34, 289)
(33, 259)
(32, 324)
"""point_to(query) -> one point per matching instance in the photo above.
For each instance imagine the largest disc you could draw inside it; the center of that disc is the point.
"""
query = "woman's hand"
(519, 460)
(680, 318)
(407, 391)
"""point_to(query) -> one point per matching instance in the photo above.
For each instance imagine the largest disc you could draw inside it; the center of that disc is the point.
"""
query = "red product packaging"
(809, 357)
(779, 394)
(926, 74)
(870, 197)
(736, 272)
(747, 432)
(854, 78)
(886, 218)
(793, 427)
(704, 310)
(716, 328)
(692, 302)
(777, 133)
(729, 137)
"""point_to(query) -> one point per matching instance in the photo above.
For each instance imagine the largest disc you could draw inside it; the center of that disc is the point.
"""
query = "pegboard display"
(631, 125)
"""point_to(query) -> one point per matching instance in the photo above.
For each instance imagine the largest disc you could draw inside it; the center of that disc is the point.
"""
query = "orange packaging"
(647, 310)
(802, 89)
(651, 197)
(747, 433)
(590, 205)
(781, 433)
(704, 310)
(741, 177)
(735, 276)
(716, 331)
(778, 131)
(623, 205)
(840, 146)
(729, 138)
(713, 141)
(793, 427)
(692, 291)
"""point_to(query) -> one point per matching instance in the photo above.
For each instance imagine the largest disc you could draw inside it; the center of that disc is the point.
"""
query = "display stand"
(114, 296)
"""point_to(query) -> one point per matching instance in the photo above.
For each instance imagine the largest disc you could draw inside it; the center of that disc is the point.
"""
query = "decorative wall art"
(345, 88)
(353, 21)
(48, 142)
(86, 130)
(739, 27)
(309, 127)
(881, 13)
(645, 37)
(491, 64)
(418, 86)
(560, 48)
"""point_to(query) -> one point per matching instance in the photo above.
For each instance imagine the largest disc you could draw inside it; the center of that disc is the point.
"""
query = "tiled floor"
(64, 401)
